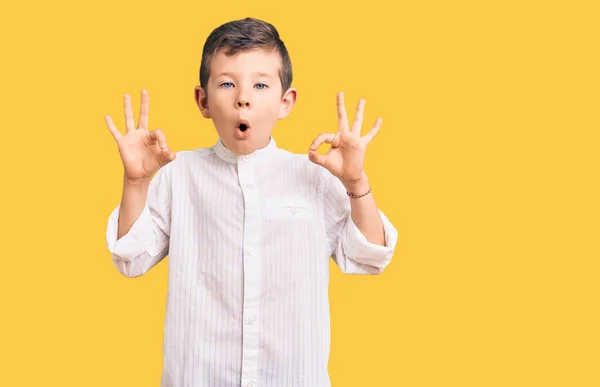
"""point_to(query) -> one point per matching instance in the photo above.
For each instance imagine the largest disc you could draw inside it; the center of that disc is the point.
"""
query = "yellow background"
(487, 162)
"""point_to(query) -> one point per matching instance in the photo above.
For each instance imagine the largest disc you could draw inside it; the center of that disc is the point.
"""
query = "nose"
(243, 102)
(243, 99)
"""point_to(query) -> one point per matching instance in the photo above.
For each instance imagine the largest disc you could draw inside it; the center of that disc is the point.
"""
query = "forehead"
(247, 62)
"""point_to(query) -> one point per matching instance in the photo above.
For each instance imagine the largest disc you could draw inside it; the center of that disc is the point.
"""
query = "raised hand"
(346, 157)
(143, 152)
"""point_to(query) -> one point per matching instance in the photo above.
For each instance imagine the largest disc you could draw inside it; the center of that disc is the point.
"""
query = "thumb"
(166, 156)
(317, 158)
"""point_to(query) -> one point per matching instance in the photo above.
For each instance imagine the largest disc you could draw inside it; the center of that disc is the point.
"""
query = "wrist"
(358, 187)
(136, 184)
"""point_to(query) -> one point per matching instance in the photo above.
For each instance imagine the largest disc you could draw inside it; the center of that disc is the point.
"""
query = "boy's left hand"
(345, 159)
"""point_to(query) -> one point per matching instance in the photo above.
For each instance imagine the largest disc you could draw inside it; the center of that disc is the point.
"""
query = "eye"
(261, 86)
(226, 85)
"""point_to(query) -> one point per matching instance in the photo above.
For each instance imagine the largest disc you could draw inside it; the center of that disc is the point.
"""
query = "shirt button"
(249, 185)
(294, 210)
(250, 251)
(250, 384)
(245, 158)
(250, 321)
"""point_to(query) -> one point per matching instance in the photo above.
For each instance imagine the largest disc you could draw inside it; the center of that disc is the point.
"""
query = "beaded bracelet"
(353, 196)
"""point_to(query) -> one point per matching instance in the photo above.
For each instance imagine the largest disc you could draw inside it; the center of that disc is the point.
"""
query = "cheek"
(217, 96)
(269, 113)
(273, 106)
(217, 107)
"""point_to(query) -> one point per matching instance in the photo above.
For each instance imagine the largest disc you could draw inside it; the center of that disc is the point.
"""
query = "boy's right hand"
(143, 153)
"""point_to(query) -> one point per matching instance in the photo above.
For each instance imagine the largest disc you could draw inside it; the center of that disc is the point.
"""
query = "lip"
(243, 121)
(242, 135)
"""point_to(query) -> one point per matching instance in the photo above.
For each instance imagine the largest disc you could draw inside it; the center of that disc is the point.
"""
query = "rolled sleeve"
(356, 247)
(349, 248)
(147, 241)
(136, 241)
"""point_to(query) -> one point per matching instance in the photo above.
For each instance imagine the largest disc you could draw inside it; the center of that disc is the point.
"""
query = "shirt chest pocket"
(288, 207)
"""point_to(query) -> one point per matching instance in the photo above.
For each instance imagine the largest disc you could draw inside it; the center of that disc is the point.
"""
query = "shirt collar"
(258, 155)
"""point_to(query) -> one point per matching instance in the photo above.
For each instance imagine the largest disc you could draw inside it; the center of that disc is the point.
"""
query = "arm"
(138, 229)
(133, 201)
(361, 238)
(365, 213)
(347, 243)
(146, 237)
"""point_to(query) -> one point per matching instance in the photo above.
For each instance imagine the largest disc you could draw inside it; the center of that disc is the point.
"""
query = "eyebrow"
(257, 73)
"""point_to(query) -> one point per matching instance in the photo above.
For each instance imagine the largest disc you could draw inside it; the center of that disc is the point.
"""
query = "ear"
(287, 103)
(201, 101)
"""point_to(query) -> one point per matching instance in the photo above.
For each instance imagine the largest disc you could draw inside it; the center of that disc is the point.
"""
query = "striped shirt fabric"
(249, 240)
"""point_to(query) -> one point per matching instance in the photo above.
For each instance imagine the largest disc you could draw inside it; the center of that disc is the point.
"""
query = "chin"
(244, 150)
(240, 147)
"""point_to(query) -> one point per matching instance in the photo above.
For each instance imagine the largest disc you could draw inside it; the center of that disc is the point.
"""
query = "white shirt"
(249, 240)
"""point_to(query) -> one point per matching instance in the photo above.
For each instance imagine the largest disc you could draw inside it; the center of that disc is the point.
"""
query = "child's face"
(245, 89)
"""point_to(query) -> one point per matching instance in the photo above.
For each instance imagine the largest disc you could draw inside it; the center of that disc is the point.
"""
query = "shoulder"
(185, 164)
(298, 160)
(188, 157)
(300, 165)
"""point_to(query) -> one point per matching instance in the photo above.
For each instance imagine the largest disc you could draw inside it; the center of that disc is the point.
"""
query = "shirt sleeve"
(349, 248)
(147, 241)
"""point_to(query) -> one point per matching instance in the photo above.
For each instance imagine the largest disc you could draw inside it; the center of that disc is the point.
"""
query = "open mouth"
(243, 129)
(243, 124)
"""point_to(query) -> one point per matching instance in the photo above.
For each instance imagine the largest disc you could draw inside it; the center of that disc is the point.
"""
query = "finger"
(129, 124)
(342, 117)
(169, 154)
(158, 136)
(358, 117)
(317, 158)
(328, 138)
(143, 121)
(112, 128)
(373, 132)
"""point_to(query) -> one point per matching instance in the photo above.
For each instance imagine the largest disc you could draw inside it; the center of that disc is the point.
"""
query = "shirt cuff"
(359, 249)
(136, 241)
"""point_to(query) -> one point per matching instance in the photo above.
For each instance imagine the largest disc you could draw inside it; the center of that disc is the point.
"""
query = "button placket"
(251, 265)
